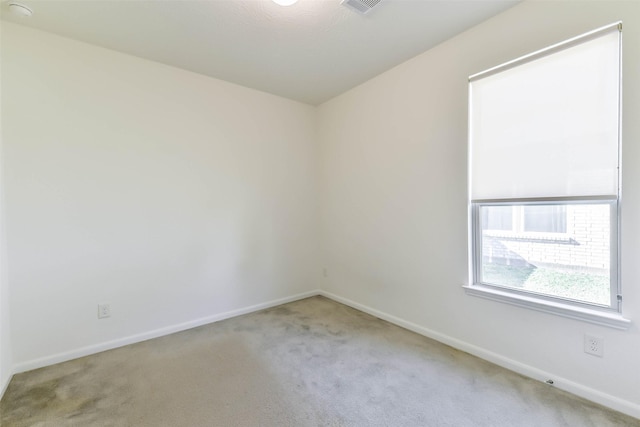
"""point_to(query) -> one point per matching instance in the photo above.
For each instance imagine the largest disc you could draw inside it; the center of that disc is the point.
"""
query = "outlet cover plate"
(594, 345)
(104, 310)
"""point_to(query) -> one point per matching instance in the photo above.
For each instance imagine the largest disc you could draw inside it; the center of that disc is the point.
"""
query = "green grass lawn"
(583, 286)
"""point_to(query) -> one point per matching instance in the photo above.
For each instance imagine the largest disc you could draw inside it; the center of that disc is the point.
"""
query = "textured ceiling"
(310, 52)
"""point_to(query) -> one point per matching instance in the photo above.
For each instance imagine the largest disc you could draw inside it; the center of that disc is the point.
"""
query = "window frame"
(610, 316)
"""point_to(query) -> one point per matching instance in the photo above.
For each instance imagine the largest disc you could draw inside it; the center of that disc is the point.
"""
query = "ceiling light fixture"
(285, 2)
(20, 9)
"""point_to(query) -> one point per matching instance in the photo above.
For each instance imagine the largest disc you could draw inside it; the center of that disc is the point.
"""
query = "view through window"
(561, 250)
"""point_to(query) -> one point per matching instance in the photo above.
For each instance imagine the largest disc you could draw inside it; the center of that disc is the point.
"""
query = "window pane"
(498, 218)
(545, 218)
(575, 265)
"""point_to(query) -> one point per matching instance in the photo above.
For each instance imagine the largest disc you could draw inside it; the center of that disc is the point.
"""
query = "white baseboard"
(572, 387)
(132, 339)
(3, 387)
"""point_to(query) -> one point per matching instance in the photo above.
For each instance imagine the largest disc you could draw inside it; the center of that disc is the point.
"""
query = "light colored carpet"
(309, 363)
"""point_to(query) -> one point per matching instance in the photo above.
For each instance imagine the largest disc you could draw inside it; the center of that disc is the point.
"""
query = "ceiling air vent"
(361, 6)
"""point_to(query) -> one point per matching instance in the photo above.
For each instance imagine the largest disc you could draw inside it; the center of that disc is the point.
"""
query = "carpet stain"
(29, 405)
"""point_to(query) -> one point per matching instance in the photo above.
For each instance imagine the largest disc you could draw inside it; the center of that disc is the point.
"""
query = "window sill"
(612, 320)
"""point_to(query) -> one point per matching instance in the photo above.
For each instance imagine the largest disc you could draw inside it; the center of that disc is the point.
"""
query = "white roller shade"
(548, 126)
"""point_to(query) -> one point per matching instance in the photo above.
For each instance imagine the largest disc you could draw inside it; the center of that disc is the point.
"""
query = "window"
(544, 178)
(498, 218)
(545, 218)
(530, 218)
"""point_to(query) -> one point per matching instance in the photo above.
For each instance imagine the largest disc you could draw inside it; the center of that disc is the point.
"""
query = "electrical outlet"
(594, 345)
(325, 273)
(104, 310)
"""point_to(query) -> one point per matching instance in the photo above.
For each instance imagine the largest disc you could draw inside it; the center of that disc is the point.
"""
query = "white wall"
(394, 159)
(6, 363)
(172, 196)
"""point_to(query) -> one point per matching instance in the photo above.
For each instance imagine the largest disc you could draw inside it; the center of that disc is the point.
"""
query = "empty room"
(319, 213)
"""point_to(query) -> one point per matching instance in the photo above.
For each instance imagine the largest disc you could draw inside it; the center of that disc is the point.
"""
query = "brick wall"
(584, 246)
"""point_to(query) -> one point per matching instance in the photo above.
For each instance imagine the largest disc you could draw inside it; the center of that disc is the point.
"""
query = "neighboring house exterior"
(567, 237)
